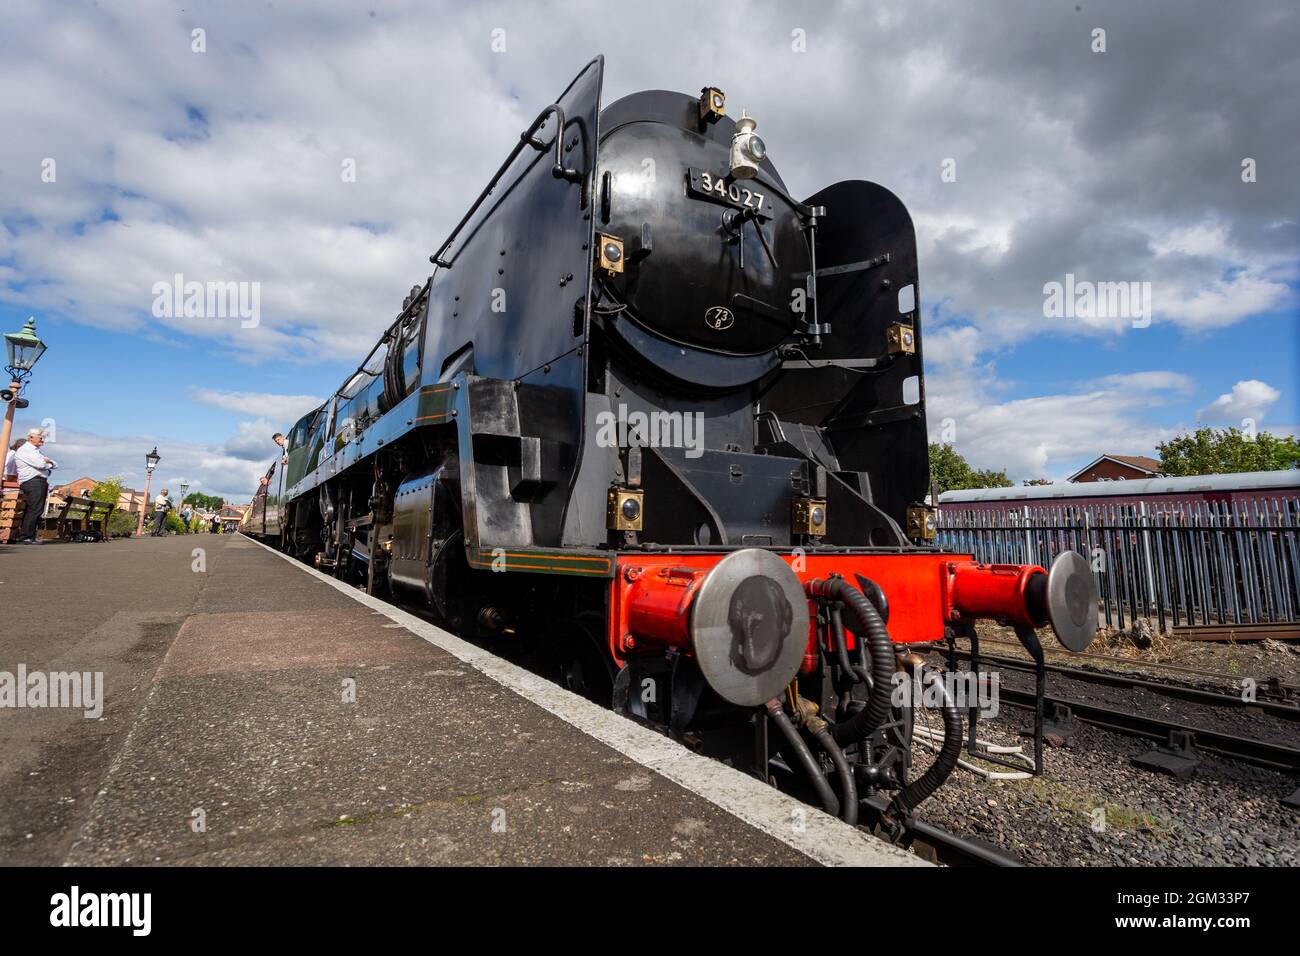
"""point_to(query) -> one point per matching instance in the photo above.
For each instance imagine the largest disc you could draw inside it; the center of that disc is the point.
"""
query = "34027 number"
(717, 187)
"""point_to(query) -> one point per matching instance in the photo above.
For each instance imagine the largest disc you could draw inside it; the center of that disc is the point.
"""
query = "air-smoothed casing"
(665, 177)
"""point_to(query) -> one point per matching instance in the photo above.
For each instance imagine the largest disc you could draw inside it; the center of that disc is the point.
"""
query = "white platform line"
(814, 833)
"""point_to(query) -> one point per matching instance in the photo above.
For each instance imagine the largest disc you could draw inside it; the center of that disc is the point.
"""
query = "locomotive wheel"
(580, 663)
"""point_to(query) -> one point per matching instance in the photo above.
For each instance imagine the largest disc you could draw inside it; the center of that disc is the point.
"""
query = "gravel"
(1091, 808)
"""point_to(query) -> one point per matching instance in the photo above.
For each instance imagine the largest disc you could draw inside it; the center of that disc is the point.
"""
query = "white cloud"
(282, 410)
(206, 468)
(1154, 381)
(226, 165)
(253, 441)
(1047, 435)
(1250, 398)
(1222, 302)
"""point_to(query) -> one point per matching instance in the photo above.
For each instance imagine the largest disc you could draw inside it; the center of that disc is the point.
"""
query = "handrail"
(388, 333)
(527, 138)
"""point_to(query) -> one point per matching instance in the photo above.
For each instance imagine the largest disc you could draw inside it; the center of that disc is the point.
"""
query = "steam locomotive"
(656, 427)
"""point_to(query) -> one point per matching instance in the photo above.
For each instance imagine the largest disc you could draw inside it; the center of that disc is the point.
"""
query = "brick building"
(1118, 468)
(128, 499)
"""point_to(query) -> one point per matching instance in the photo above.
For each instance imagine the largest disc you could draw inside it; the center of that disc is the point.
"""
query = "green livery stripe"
(435, 404)
(547, 562)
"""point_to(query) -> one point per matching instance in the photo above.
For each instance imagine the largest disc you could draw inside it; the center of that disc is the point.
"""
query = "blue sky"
(214, 141)
(118, 382)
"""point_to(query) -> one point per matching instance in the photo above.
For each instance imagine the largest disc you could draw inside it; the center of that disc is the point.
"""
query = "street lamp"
(150, 463)
(185, 486)
(24, 349)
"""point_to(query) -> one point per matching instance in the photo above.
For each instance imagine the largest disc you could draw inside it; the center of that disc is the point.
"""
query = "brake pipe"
(809, 763)
(865, 622)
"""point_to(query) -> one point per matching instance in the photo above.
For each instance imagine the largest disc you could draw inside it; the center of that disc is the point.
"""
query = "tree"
(950, 471)
(121, 524)
(1213, 451)
(108, 489)
(1032, 482)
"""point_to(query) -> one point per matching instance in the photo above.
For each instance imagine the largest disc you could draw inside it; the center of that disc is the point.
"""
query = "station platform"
(257, 712)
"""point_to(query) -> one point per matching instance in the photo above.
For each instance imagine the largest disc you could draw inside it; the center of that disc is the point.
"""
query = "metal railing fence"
(1204, 562)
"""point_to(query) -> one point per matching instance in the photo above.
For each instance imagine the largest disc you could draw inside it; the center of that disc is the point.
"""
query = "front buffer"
(816, 645)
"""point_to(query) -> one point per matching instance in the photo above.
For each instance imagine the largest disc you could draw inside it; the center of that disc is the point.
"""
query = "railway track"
(941, 846)
(1261, 753)
(1279, 687)
(1281, 708)
(1236, 632)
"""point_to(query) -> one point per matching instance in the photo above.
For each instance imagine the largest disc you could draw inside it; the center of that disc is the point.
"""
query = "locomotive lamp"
(921, 523)
(713, 104)
(808, 517)
(610, 253)
(900, 338)
(747, 149)
(625, 509)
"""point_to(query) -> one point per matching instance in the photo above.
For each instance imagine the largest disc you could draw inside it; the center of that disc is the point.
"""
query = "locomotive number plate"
(707, 185)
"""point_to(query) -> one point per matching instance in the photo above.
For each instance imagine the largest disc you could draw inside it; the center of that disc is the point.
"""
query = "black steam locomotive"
(657, 427)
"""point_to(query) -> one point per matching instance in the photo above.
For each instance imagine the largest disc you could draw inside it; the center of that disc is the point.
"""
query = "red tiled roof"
(1138, 461)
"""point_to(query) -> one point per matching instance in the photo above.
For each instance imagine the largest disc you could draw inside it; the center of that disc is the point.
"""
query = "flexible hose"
(864, 621)
(932, 742)
(916, 792)
(805, 757)
(841, 645)
(848, 787)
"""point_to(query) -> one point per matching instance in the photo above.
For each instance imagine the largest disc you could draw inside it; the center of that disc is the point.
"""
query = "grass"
(1085, 804)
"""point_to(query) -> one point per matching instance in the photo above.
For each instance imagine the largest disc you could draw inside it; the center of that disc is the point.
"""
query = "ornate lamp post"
(150, 463)
(24, 350)
(185, 486)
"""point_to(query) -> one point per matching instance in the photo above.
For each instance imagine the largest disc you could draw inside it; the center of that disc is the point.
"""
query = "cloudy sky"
(323, 150)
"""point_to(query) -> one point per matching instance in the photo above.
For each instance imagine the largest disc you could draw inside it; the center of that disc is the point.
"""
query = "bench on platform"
(80, 519)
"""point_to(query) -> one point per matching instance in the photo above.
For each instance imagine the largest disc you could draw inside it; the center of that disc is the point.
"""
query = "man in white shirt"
(33, 482)
(161, 505)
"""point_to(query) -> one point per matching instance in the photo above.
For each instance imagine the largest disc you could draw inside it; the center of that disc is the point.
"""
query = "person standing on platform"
(161, 505)
(33, 482)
